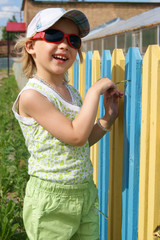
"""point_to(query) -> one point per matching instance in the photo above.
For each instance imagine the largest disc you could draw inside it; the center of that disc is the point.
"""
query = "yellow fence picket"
(154, 154)
(94, 149)
(82, 76)
(116, 153)
(144, 151)
(149, 194)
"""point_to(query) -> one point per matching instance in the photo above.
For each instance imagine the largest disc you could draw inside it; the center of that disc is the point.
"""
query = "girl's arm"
(111, 113)
(77, 132)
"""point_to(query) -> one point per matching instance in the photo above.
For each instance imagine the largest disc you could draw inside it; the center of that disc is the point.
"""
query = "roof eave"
(123, 31)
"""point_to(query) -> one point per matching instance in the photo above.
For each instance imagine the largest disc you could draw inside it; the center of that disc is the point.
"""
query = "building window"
(121, 41)
(109, 43)
(128, 41)
(97, 45)
(149, 36)
(136, 39)
(88, 46)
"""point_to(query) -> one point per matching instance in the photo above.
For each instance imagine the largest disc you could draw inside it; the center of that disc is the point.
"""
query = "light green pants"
(61, 212)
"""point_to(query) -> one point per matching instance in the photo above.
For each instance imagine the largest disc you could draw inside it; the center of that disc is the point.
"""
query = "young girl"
(60, 196)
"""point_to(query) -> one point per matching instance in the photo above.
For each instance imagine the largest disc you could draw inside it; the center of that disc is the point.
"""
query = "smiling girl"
(60, 196)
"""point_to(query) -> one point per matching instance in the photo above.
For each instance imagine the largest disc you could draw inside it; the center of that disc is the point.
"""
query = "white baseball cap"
(47, 17)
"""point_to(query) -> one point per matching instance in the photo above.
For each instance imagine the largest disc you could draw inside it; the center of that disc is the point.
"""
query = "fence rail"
(127, 160)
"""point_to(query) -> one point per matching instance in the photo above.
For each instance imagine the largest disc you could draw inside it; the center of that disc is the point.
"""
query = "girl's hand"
(111, 113)
(105, 85)
(111, 107)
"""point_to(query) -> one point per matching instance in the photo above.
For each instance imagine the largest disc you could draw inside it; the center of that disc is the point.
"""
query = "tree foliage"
(12, 35)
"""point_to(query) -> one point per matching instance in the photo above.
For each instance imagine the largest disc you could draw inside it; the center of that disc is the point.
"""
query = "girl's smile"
(61, 57)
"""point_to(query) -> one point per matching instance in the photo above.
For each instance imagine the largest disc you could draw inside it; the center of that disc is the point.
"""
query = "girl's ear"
(30, 47)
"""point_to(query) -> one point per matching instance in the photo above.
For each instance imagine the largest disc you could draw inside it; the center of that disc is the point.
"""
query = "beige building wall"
(97, 12)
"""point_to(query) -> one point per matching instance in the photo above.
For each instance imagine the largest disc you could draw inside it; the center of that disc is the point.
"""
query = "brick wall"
(4, 48)
(97, 13)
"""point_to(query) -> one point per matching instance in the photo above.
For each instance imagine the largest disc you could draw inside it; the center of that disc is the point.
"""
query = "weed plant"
(13, 165)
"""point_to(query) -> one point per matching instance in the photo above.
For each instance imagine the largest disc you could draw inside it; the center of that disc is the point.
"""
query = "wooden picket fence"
(127, 160)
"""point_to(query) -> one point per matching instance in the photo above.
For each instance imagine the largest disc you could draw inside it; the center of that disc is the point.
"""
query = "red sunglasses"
(57, 36)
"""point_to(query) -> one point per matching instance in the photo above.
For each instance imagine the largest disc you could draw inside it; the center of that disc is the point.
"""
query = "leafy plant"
(8, 225)
(13, 165)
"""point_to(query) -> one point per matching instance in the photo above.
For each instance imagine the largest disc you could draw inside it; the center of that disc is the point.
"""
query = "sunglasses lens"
(75, 41)
(52, 35)
(55, 36)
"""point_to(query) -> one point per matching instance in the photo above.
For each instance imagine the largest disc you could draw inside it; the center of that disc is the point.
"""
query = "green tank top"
(51, 159)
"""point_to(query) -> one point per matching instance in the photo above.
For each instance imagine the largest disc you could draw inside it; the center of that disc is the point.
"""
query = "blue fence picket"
(126, 144)
(88, 70)
(104, 146)
(131, 144)
(76, 73)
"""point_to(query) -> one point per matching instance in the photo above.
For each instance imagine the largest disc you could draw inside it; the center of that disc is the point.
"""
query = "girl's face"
(55, 58)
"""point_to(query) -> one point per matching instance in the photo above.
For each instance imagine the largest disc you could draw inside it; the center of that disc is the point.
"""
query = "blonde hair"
(28, 64)
(80, 55)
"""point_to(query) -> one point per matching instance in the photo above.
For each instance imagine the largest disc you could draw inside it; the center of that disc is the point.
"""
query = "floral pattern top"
(51, 159)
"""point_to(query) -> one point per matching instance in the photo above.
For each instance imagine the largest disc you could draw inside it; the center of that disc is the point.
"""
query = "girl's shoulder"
(34, 86)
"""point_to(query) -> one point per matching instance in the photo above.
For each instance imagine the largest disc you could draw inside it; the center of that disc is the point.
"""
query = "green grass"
(13, 165)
